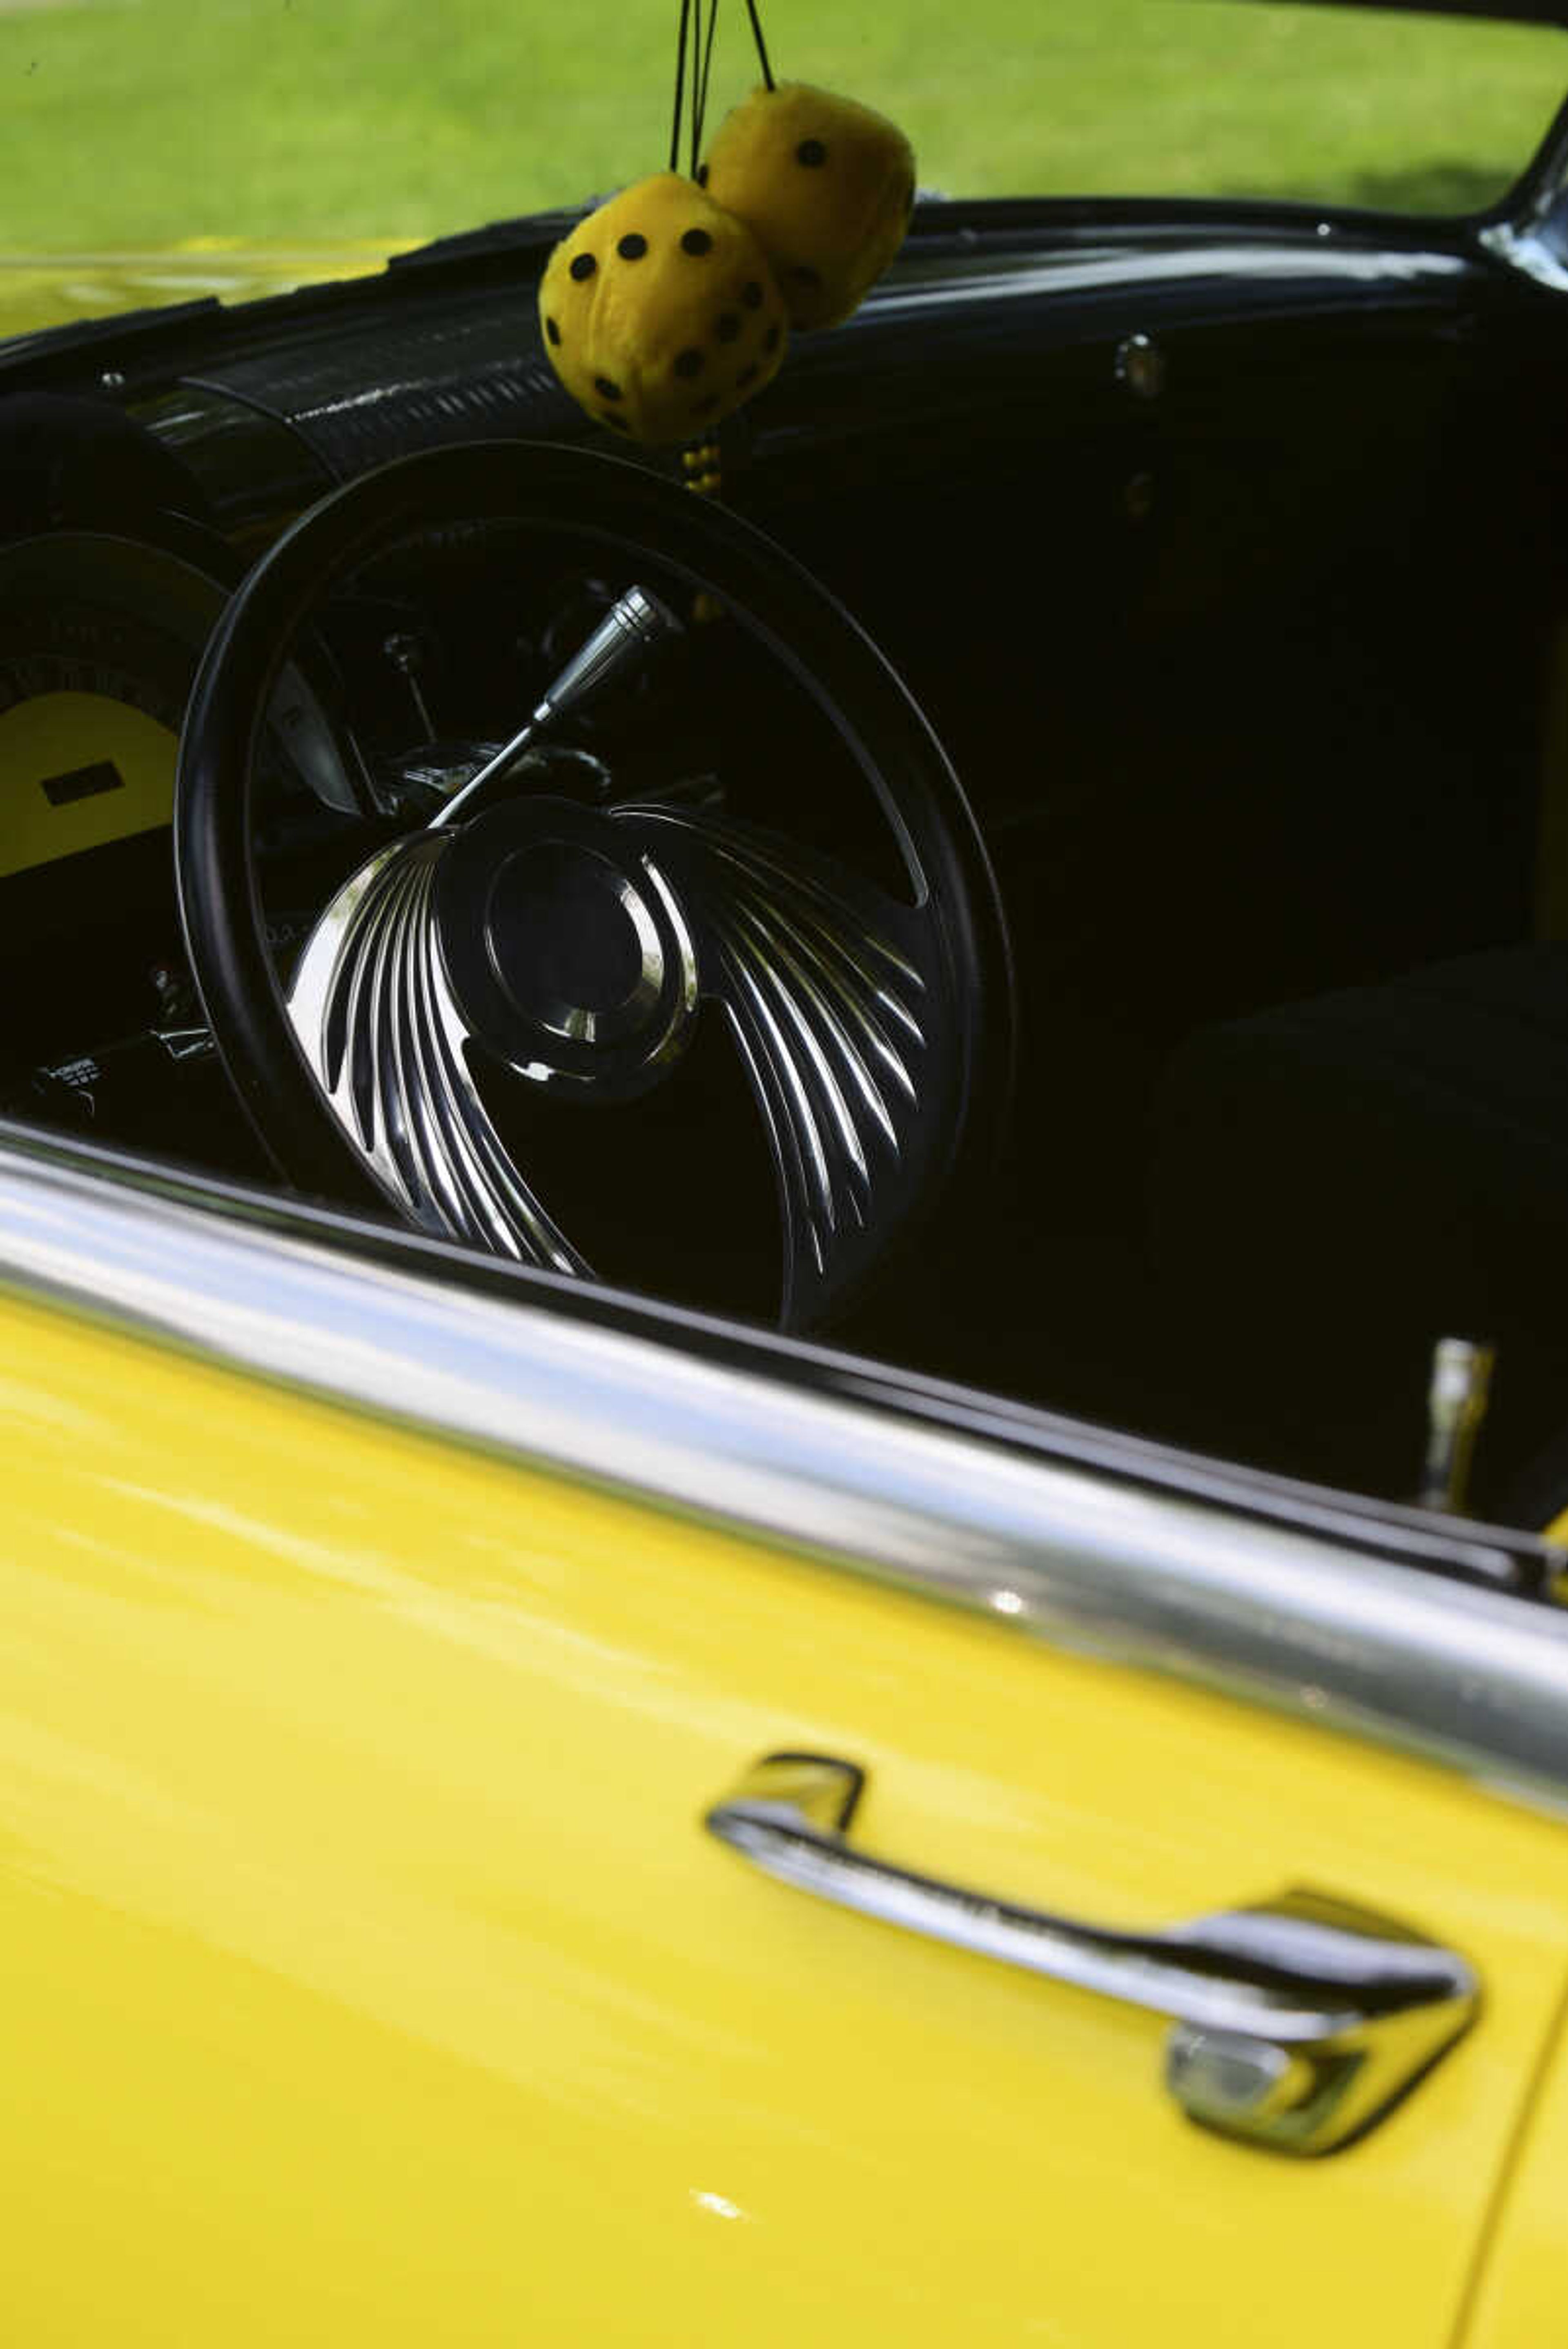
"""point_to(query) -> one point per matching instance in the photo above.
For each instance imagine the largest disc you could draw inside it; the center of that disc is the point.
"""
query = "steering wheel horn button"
(567, 953)
(571, 944)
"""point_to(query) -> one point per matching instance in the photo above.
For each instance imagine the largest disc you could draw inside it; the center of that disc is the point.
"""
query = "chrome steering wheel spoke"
(836, 996)
(373, 1010)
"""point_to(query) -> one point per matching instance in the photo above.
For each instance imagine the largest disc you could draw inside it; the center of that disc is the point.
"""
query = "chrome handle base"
(1299, 2023)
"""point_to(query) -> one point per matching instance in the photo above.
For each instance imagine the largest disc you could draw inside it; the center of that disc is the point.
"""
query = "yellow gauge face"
(80, 770)
(99, 640)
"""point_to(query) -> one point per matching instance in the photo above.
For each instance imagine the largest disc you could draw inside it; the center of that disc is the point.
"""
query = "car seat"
(1337, 1183)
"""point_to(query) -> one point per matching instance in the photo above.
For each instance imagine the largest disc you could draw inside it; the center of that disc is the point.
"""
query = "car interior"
(1223, 550)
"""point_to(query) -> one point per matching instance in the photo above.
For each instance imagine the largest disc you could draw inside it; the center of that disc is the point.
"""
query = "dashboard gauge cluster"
(101, 635)
(100, 641)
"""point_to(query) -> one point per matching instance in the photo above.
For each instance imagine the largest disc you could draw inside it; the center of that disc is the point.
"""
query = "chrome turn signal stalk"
(633, 625)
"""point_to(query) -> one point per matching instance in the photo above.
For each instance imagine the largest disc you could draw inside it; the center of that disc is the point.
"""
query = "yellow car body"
(375, 1648)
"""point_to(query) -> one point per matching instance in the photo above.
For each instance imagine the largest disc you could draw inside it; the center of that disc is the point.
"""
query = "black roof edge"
(1508, 12)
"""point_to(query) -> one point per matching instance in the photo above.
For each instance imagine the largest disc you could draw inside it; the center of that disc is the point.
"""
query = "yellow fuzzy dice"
(828, 185)
(659, 312)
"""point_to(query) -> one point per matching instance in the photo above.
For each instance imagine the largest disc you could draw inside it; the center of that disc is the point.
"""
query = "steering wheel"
(525, 951)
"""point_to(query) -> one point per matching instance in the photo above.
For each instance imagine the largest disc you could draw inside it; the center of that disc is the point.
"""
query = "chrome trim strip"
(1319, 1631)
(1108, 265)
(1527, 234)
(1527, 247)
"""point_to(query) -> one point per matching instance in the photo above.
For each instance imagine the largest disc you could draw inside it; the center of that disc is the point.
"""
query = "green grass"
(130, 124)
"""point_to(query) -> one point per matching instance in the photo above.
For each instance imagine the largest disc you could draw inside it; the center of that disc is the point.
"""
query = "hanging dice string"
(678, 106)
(768, 82)
(693, 67)
(702, 460)
(700, 110)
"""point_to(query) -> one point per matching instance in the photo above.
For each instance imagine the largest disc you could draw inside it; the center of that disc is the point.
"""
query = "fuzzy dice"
(659, 312)
(826, 185)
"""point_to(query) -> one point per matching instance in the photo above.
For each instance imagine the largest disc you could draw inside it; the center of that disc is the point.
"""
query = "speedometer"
(100, 641)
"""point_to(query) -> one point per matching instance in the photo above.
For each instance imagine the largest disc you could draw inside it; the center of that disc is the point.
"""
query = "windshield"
(138, 126)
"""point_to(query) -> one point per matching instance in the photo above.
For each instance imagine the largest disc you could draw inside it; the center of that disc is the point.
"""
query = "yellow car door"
(398, 1943)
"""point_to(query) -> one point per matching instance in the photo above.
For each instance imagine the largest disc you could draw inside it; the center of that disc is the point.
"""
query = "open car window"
(1269, 729)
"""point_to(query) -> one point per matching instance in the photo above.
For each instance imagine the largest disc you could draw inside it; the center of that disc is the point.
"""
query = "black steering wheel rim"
(627, 507)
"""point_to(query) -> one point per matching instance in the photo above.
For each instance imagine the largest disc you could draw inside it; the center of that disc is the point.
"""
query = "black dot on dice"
(752, 294)
(706, 406)
(812, 154)
(552, 330)
(747, 375)
(610, 417)
(770, 339)
(702, 175)
(584, 267)
(690, 362)
(632, 247)
(697, 240)
(606, 389)
(804, 275)
(727, 327)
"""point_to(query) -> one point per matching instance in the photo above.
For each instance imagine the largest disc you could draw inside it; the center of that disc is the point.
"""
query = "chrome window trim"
(1323, 1629)
(1526, 232)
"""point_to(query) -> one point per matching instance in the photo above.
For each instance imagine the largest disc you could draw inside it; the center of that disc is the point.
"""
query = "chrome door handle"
(1299, 2023)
